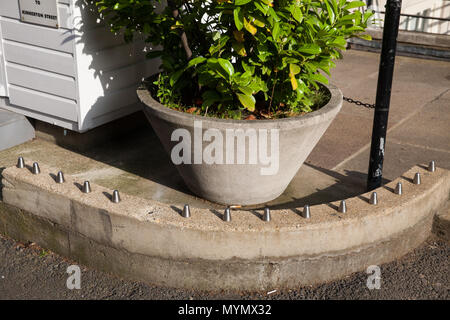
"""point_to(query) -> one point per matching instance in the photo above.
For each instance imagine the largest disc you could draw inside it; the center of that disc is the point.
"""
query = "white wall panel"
(43, 102)
(39, 80)
(56, 39)
(41, 58)
(79, 76)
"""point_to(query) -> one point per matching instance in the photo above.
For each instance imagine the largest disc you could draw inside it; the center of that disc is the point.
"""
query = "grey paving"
(30, 272)
(417, 84)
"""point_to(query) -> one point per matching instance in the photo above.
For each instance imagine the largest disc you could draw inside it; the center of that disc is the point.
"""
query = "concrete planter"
(238, 162)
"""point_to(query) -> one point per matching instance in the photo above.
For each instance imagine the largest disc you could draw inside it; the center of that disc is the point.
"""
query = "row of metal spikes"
(86, 188)
(306, 213)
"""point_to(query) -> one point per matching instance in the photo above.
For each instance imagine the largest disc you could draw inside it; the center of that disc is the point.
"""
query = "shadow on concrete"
(217, 213)
(140, 153)
(137, 151)
(389, 189)
(348, 185)
(407, 179)
(363, 198)
(53, 176)
(107, 195)
(78, 185)
(177, 210)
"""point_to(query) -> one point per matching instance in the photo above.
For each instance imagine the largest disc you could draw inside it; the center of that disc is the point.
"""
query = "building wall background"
(428, 8)
(78, 76)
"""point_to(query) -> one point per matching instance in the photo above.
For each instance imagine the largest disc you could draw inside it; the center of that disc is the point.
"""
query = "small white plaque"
(42, 12)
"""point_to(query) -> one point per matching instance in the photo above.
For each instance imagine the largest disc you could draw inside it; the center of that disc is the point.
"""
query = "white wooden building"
(423, 8)
(75, 74)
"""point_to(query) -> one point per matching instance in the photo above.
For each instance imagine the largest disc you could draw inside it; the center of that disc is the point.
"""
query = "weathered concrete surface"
(441, 224)
(234, 274)
(289, 141)
(139, 235)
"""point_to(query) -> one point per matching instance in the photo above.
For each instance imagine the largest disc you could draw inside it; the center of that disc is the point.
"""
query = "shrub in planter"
(235, 60)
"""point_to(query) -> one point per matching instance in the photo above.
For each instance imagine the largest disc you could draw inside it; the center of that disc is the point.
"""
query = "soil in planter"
(193, 105)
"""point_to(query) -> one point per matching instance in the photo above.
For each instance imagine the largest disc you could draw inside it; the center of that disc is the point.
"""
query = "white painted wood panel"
(98, 39)
(44, 81)
(118, 57)
(78, 79)
(10, 9)
(41, 58)
(125, 77)
(71, 125)
(43, 102)
(56, 39)
(114, 101)
(2, 79)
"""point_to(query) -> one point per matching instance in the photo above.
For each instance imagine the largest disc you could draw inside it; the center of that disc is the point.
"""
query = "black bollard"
(386, 72)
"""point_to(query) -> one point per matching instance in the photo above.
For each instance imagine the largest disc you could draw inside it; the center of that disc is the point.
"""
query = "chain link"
(359, 103)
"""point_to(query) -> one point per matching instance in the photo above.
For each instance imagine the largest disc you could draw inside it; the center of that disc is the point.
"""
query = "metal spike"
(417, 179)
(20, 163)
(306, 212)
(36, 169)
(60, 177)
(343, 207)
(86, 187)
(186, 211)
(432, 166)
(373, 198)
(266, 216)
(399, 189)
(227, 215)
(115, 197)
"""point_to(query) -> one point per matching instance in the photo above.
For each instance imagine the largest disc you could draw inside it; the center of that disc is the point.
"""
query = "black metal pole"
(386, 72)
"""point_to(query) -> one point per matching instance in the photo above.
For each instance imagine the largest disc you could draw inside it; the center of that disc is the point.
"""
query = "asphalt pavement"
(30, 272)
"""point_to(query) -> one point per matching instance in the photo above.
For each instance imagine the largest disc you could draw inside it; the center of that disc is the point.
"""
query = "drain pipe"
(386, 72)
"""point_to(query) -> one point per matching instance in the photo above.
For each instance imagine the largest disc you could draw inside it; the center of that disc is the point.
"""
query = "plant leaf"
(247, 101)
(238, 18)
(227, 66)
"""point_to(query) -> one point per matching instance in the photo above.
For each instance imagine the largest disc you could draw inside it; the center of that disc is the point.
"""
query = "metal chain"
(359, 103)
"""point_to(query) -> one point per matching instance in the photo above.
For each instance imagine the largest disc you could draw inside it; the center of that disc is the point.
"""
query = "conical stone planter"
(238, 162)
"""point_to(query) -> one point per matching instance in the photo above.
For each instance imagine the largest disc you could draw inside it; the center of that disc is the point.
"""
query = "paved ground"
(419, 131)
(419, 119)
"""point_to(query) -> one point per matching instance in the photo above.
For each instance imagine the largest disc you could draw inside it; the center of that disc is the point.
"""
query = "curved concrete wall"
(150, 241)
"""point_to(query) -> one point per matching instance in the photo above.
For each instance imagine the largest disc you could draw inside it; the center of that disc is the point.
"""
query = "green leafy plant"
(233, 57)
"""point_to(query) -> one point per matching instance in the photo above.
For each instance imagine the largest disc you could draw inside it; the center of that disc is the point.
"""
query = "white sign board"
(43, 12)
